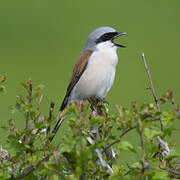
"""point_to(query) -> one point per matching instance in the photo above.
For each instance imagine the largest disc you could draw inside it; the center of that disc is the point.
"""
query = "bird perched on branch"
(94, 70)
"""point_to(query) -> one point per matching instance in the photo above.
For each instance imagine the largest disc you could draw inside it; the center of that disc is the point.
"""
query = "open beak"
(119, 34)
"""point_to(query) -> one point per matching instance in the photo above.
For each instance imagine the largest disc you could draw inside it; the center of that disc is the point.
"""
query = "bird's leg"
(96, 106)
(101, 100)
(91, 104)
(101, 106)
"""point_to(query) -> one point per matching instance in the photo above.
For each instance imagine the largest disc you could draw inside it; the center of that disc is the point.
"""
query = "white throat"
(106, 45)
(107, 51)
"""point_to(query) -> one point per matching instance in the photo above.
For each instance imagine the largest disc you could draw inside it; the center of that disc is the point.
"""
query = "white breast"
(99, 75)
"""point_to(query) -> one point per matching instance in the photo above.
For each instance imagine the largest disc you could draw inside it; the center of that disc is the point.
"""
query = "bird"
(94, 71)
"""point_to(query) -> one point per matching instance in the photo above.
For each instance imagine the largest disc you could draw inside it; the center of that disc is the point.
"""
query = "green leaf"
(126, 146)
(2, 88)
(39, 87)
(4, 175)
(94, 120)
(160, 175)
(24, 84)
(55, 177)
(137, 165)
(4, 128)
(150, 133)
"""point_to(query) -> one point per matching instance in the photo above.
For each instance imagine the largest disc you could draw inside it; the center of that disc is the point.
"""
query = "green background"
(41, 39)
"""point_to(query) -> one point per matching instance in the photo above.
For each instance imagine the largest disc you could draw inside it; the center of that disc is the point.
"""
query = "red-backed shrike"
(94, 70)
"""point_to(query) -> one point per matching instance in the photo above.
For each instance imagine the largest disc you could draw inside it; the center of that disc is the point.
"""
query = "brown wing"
(78, 70)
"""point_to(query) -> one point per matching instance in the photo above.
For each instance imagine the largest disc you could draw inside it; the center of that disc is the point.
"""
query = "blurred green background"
(41, 39)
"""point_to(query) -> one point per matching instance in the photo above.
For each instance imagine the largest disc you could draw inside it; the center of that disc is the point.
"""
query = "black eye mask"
(106, 37)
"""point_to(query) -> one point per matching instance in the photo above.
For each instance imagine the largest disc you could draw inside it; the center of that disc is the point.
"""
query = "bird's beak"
(119, 34)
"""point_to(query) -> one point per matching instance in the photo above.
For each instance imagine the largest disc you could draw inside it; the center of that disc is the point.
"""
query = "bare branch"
(40, 100)
(175, 107)
(100, 157)
(152, 89)
(164, 146)
(172, 101)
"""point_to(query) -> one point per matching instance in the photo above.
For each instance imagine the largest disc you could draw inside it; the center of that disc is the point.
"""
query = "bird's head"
(103, 35)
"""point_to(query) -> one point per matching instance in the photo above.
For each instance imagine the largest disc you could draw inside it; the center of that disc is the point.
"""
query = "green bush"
(89, 147)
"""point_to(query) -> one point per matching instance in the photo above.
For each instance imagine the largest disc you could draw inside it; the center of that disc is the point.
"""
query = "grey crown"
(97, 33)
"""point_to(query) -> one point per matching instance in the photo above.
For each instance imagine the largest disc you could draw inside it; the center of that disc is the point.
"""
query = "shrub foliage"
(89, 147)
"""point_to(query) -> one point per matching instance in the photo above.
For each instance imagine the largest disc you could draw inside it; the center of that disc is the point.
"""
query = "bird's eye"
(106, 35)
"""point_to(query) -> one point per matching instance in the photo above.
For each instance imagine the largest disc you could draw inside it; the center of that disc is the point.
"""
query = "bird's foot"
(102, 100)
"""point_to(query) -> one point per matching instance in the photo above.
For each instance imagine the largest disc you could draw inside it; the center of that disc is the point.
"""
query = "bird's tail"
(58, 124)
(61, 119)
(64, 103)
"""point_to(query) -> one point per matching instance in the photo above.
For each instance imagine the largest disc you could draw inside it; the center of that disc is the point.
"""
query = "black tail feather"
(64, 104)
(58, 124)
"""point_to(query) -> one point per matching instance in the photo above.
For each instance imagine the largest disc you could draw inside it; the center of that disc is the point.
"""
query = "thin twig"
(162, 144)
(51, 110)
(172, 101)
(40, 100)
(152, 89)
(175, 107)
(145, 164)
(29, 101)
(50, 115)
(30, 91)
(155, 119)
(141, 140)
(29, 98)
(119, 137)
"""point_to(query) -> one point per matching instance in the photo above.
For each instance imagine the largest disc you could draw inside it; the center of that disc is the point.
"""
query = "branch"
(99, 154)
(164, 146)
(175, 107)
(29, 98)
(145, 164)
(142, 142)
(38, 103)
(29, 102)
(152, 89)
(118, 139)
(172, 101)
(51, 110)
(50, 115)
